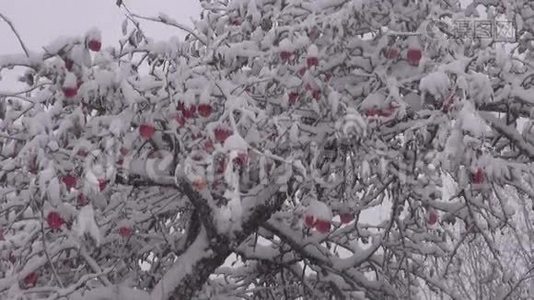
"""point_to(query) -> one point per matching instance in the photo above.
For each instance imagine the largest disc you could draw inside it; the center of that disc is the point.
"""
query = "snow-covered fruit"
(70, 85)
(241, 159)
(432, 217)
(391, 53)
(381, 112)
(204, 110)
(125, 231)
(199, 184)
(221, 133)
(413, 56)
(146, 130)
(82, 200)
(188, 112)
(94, 45)
(30, 280)
(312, 59)
(285, 55)
(293, 97)
(323, 226)
(69, 181)
(54, 220)
(102, 184)
(94, 40)
(478, 176)
(319, 216)
(346, 217)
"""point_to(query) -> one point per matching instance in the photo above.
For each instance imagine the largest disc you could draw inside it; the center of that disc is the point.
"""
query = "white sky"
(40, 22)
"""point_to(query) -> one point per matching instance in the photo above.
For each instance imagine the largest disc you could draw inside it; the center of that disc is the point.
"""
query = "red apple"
(221, 134)
(391, 53)
(180, 119)
(82, 200)
(220, 165)
(69, 181)
(346, 218)
(189, 112)
(199, 184)
(241, 159)
(54, 220)
(316, 94)
(293, 97)
(146, 130)
(68, 63)
(94, 45)
(285, 55)
(208, 146)
(102, 183)
(414, 56)
(312, 61)
(478, 176)
(371, 112)
(235, 21)
(70, 92)
(204, 110)
(323, 226)
(31, 280)
(432, 218)
(82, 153)
(125, 231)
(124, 151)
(309, 221)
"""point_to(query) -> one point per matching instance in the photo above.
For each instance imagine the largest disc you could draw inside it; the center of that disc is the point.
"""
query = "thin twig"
(16, 34)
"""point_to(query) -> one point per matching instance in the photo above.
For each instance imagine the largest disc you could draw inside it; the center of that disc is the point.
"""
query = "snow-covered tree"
(285, 149)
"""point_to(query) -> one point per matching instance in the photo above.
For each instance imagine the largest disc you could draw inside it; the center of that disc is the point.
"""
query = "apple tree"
(283, 149)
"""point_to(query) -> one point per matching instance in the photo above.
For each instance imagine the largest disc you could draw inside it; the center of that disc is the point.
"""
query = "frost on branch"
(185, 169)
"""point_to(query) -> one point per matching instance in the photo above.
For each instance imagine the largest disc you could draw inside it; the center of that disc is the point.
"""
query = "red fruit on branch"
(54, 220)
(70, 92)
(293, 97)
(70, 181)
(199, 184)
(102, 183)
(323, 226)
(309, 221)
(124, 151)
(69, 63)
(241, 159)
(285, 55)
(312, 61)
(316, 94)
(346, 218)
(414, 55)
(205, 110)
(82, 200)
(221, 134)
(189, 112)
(30, 280)
(391, 53)
(125, 231)
(146, 130)
(478, 176)
(432, 217)
(94, 45)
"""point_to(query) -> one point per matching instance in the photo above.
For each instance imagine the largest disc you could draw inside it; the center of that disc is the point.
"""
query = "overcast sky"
(41, 22)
